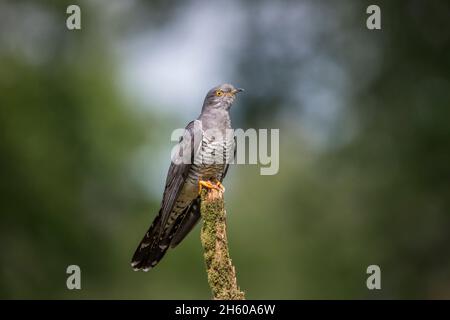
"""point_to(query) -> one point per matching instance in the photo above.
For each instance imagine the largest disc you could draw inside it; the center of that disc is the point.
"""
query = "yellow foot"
(209, 185)
(220, 186)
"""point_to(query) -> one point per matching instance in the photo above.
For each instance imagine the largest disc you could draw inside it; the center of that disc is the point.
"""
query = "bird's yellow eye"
(219, 93)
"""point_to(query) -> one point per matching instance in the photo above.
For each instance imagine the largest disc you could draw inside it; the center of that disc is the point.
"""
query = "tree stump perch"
(221, 272)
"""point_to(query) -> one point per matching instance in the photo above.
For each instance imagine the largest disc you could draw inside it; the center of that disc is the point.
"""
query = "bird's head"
(221, 97)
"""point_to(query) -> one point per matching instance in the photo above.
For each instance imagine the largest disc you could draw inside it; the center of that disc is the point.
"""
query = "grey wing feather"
(150, 252)
(189, 146)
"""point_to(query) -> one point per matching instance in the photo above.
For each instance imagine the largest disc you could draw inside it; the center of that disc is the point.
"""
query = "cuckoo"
(201, 160)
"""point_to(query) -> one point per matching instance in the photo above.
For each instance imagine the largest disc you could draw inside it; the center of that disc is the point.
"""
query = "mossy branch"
(221, 272)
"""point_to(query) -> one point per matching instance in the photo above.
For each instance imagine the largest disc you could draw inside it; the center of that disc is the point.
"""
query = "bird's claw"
(209, 185)
(220, 186)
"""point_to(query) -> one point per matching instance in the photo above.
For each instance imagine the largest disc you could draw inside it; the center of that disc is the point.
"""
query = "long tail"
(156, 241)
(151, 249)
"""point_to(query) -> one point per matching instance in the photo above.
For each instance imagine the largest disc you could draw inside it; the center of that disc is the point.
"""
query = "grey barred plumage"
(210, 143)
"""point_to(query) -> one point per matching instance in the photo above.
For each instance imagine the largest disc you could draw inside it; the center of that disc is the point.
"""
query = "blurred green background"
(85, 124)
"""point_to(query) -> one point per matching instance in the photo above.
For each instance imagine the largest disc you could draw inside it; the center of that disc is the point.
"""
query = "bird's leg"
(207, 184)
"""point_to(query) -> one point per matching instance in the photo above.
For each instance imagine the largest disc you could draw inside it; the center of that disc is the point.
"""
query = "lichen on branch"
(221, 272)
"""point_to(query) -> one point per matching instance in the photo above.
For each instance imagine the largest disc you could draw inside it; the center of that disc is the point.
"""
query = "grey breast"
(212, 158)
(209, 162)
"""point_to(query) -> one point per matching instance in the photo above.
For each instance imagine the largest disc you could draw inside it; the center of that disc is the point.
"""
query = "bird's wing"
(150, 251)
(188, 147)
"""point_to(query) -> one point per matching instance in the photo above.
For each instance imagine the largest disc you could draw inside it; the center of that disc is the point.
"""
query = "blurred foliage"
(375, 191)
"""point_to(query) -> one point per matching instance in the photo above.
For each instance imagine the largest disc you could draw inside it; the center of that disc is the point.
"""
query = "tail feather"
(151, 249)
(187, 222)
(158, 238)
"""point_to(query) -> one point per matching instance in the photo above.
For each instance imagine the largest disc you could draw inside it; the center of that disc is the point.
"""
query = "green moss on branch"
(221, 272)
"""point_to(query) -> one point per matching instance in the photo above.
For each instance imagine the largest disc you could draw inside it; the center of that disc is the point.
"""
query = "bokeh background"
(85, 124)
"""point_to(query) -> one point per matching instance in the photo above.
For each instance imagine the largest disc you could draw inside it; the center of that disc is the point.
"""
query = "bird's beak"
(237, 90)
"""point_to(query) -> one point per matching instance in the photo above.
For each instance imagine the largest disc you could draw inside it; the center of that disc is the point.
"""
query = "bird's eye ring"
(219, 93)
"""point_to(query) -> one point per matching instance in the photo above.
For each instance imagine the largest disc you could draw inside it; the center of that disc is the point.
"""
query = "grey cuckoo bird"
(201, 160)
